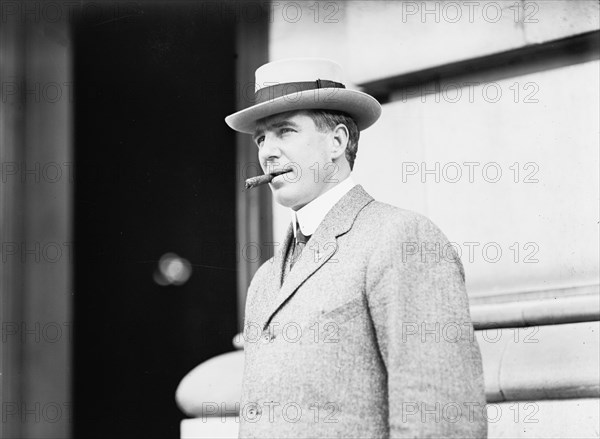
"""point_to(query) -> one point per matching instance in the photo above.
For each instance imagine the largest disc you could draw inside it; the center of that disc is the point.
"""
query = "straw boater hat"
(304, 84)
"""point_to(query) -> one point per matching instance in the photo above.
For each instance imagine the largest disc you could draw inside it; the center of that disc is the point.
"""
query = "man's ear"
(340, 141)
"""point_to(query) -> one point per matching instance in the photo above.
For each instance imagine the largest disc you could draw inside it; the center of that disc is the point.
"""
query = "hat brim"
(363, 108)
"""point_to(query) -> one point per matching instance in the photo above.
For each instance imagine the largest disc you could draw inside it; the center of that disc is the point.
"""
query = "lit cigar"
(263, 179)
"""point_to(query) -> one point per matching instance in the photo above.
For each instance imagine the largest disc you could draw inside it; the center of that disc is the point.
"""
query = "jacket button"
(267, 336)
(254, 412)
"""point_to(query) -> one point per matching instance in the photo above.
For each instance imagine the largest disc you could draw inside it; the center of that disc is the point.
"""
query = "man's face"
(291, 140)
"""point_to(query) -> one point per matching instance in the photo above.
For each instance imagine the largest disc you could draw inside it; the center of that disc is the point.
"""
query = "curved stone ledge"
(543, 362)
(546, 307)
(566, 418)
(212, 388)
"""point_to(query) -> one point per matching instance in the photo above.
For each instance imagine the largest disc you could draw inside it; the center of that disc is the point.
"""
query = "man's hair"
(328, 119)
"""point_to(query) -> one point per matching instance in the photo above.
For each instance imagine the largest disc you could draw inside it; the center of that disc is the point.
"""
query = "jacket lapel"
(319, 249)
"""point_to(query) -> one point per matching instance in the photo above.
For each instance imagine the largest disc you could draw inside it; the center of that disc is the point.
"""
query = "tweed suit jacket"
(369, 335)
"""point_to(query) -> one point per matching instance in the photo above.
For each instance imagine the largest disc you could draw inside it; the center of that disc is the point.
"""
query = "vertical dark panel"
(155, 174)
(35, 223)
(255, 217)
(12, 214)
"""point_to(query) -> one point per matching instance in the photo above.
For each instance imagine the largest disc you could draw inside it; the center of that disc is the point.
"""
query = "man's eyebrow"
(284, 123)
(278, 124)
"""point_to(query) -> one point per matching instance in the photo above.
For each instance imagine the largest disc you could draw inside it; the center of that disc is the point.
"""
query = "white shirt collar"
(310, 216)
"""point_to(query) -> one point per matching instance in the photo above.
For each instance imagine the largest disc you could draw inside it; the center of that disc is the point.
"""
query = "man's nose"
(269, 149)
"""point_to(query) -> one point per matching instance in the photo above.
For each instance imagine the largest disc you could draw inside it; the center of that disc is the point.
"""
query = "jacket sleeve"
(418, 303)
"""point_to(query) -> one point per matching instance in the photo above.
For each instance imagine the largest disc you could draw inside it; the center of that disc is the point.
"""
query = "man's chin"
(286, 198)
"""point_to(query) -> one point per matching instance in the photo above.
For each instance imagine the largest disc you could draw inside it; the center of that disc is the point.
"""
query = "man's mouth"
(276, 174)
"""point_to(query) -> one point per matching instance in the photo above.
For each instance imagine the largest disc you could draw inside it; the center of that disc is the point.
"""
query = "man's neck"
(311, 215)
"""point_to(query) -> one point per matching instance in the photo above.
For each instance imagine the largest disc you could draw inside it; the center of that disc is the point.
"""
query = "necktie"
(298, 246)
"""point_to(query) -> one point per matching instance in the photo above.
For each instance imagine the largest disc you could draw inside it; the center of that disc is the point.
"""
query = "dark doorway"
(155, 173)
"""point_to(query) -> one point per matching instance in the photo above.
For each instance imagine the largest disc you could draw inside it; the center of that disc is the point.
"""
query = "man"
(359, 326)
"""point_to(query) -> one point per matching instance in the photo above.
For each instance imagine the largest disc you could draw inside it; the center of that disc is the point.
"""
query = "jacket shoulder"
(387, 219)
(393, 227)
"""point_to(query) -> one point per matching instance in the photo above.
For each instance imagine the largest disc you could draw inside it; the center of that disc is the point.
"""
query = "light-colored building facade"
(490, 127)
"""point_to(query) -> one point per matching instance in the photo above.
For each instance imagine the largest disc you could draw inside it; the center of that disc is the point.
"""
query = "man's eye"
(259, 141)
(286, 130)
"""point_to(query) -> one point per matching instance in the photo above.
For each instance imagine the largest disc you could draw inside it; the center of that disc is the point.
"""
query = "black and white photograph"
(299, 219)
